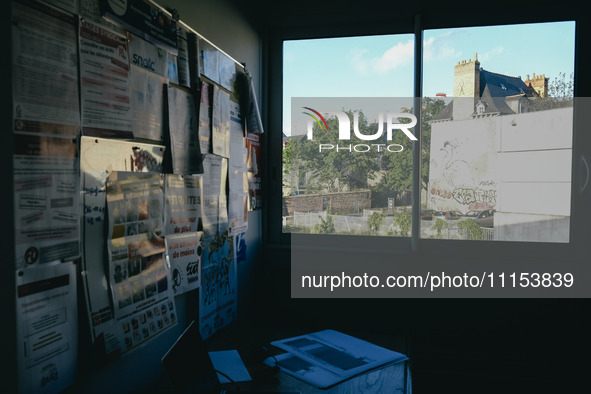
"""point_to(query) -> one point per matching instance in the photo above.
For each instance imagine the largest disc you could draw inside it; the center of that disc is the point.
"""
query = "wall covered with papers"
(133, 180)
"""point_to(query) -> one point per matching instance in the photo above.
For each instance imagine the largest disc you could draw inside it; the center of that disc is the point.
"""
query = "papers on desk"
(228, 364)
(328, 357)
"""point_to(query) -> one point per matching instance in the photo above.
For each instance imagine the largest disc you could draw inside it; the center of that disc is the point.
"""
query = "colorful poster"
(47, 328)
(184, 253)
(99, 157)
(143, 301)
(104, 82)
(46, 199)
(218, 292)
(45, 70)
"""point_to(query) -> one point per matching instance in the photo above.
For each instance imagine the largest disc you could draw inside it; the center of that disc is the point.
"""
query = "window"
(442, 49)
(515, 161)
(345, 183)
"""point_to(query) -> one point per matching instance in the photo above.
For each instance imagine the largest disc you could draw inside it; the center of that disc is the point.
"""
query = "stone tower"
(539, 83)
(466, 87)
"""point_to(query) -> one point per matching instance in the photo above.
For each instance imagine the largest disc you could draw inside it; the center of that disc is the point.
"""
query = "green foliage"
(374, 222)
(325, 226)
(440, 225)
(398, 166)
(404, 222)
(473, 229)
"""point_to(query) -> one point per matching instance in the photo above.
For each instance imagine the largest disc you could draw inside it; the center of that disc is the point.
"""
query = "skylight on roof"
(504, 87)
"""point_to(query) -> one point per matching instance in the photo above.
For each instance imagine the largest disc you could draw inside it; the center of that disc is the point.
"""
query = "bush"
(473, 229)
(440, 225)
(325, 226)
(404, 222)
(374, 222)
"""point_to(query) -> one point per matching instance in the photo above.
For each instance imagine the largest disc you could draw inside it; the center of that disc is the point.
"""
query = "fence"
(351, 224)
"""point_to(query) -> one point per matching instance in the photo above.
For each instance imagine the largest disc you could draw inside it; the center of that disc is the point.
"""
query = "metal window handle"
(584, 179)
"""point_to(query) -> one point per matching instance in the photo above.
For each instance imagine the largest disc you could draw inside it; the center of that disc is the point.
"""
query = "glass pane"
(497, 132)
(359, 183)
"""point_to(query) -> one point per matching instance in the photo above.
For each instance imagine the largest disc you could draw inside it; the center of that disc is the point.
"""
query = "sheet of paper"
(46, 199)
(45, 70)
(183, 129)
(254, 165)
(47, 327)
(104, 82)
(230, 364)
(147, 104)
(328, 357)
(184, 253)
(205, 117)
(220, 122)
(237, 174)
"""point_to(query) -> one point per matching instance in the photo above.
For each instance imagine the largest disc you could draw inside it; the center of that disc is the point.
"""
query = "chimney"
(539, 83)
(466, 87)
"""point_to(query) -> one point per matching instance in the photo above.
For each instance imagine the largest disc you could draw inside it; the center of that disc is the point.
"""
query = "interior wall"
(139, 370)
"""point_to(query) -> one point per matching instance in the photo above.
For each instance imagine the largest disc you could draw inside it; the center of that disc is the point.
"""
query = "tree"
(560, 94)
(333, 170)
(398, 167)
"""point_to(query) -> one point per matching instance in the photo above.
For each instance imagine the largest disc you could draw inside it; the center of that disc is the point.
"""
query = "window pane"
(497, 136)
(358, 183)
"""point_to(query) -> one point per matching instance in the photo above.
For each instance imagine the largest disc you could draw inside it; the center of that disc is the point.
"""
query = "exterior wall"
(335, 203)
(534, 175)
(462, 170)
(519, 165)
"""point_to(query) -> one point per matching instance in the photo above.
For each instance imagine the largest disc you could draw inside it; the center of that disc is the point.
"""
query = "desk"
(394, 378)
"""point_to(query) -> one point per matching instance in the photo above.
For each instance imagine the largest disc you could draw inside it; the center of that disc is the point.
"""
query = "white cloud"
(490, 54)
(440, 48)
(396, 56)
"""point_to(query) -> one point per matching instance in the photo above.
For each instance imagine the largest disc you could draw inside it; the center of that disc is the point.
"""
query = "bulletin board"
(136, 163)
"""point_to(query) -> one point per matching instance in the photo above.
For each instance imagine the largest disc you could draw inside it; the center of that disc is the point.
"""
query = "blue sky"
(382, 66)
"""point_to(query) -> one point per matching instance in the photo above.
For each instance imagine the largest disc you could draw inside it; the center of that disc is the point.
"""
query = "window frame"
(579, 235)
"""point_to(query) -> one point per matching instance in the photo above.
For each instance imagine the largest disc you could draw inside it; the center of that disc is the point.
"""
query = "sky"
(382, 66)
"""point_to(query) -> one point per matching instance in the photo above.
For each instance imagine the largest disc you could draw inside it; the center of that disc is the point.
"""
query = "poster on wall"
(216, 65)
(91, 10)
(45, 70)
(147, 104)
(137, 273)
(183, 211)
(47, 328)
(183, 129)
(46, 199)
(184, 253)
(143, 19)
(220, 122)
(254, 167)
(152, 58)
(99, 157)
(104, 82)
(218, 294)
(206, 97)
(237, 174)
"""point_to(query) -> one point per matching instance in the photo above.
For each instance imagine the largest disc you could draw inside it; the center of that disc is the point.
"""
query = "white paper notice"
(184, 254)
(104, 82)
(46, 199)
(45, 70)
(47, 328)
